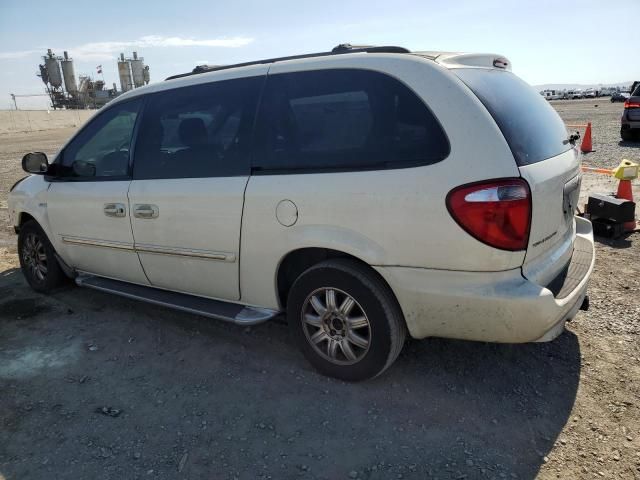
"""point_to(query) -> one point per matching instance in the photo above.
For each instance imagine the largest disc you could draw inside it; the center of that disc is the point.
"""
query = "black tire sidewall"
(375, 360)
(53, 277)
(630, 135)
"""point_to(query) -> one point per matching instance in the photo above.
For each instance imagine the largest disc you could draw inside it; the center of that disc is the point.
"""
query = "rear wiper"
(572, 139)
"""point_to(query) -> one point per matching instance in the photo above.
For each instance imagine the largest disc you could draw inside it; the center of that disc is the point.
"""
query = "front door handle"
(115, 209)
(145, 211)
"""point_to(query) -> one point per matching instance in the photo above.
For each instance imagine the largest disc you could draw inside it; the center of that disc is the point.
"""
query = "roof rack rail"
(337, 50)
(348, 48)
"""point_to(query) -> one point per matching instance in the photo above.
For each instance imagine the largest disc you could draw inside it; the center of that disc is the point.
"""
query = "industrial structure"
(58, 75)
(132, 72)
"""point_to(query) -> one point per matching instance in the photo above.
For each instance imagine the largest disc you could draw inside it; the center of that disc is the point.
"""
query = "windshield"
(532, 128)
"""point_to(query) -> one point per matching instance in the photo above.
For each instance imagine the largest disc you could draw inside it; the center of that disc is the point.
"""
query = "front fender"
(29, 197)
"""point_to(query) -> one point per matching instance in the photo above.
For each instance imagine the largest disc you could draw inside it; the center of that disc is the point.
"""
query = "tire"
(357, 339)
(626, 135)
(37, 259)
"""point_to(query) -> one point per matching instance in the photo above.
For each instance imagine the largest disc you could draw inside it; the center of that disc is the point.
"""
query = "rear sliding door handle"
(115, 209)
(145, 211)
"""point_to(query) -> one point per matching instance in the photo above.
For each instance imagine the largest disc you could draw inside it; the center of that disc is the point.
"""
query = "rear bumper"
(489, 306)
(630, 119)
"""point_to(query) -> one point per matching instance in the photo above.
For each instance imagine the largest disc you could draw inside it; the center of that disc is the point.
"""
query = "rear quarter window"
(344, 119)
(532, 127)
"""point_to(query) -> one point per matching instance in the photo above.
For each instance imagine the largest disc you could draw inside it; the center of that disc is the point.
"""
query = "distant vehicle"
(552, 94)
(573, 94)
(630, 121)
(590, 93)
(619, 97)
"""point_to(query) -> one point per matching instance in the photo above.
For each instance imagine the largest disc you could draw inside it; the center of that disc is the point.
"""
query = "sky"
(584, 42)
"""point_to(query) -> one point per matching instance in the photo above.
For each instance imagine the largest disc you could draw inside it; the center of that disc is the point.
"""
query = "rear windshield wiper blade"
(572, 139)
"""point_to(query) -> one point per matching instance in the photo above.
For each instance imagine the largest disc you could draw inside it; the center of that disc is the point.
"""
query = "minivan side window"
(197, 131)
(344, 119)
(101, 149)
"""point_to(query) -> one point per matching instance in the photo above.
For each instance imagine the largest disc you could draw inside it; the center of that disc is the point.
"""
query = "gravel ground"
(96, 386)
(604, 116)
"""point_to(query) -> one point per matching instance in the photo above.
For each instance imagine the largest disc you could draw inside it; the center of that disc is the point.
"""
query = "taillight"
(496, 212)
(630, 104)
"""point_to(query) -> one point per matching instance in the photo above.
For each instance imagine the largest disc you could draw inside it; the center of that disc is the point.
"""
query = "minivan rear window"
(532, 127)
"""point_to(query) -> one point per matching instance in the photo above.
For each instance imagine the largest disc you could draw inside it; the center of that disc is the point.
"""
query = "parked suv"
(619, 97)
(366, 192)
(630, 121)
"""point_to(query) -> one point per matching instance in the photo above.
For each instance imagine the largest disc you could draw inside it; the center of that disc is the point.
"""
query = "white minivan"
(368, 192)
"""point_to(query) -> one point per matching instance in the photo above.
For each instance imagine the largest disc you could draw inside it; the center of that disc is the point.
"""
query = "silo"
(53, 69)
(137, 70)
(124, 73)
(69, 74)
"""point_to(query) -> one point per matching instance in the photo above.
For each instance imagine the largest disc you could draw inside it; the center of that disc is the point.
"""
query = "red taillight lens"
(629, 104)
(496, 212)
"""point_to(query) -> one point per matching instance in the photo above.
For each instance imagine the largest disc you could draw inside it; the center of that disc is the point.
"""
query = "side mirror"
(35, 162)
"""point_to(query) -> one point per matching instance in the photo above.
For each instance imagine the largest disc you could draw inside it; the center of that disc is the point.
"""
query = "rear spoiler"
(457, 60)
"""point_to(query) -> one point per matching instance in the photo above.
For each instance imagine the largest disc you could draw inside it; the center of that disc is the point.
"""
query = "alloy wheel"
(336, 326)
(34, 256)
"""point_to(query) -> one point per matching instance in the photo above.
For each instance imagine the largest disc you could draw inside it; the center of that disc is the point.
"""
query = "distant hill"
(574, 86)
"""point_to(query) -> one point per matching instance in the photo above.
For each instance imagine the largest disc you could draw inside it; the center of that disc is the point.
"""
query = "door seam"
(246, 185)
(133, 234)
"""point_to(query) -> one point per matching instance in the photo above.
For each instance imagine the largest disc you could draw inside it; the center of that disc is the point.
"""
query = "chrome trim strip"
(153, 249)
(180, 252)
(92, 242)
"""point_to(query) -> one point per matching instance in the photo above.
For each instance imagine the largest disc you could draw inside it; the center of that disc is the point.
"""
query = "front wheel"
(345, 320)
(37, 259)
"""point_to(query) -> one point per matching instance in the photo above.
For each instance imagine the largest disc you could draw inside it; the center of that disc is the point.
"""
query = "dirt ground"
(101, 387)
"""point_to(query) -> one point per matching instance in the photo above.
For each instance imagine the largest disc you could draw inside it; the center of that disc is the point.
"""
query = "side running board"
(230, 312)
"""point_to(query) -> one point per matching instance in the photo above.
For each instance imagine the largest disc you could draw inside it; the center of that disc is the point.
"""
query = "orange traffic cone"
(625, 192)
(585, 146)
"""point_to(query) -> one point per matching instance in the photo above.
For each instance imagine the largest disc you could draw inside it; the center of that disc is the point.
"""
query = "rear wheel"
(626, 135)
(345, 320)
(37, 259)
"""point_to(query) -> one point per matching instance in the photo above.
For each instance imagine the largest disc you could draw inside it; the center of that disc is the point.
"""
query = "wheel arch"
(24, 217)
(295, 262)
